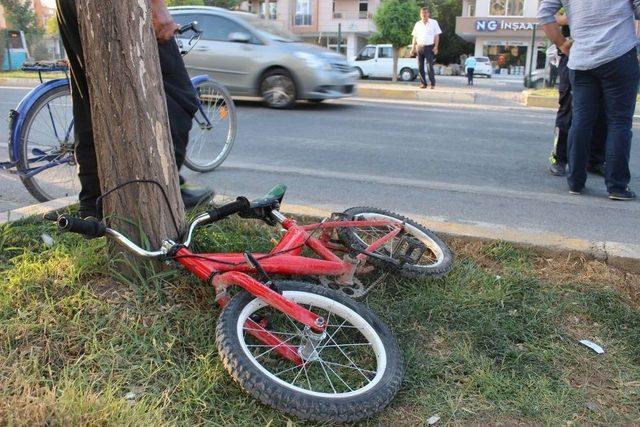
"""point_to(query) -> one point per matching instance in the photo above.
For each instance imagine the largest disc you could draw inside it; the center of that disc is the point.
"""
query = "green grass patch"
(29, 75)
(493, 342)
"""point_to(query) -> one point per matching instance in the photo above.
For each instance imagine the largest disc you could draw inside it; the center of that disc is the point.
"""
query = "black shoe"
(194, 196)
(624, 196)
(557, 168)
(597, 170)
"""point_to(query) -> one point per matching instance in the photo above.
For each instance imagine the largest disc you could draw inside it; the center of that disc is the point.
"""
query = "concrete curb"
(418, 95)
(531, 100)
(37, 209)
(625, 256)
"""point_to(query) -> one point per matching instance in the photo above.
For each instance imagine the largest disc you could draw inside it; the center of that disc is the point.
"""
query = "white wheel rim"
(415, 232)
(334, 307)
(214, 141)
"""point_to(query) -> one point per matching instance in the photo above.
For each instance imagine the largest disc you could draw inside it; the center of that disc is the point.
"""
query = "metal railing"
(352, 15)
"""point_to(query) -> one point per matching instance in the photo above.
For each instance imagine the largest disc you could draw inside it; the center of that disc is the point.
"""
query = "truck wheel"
(406, 75)
(359, 70)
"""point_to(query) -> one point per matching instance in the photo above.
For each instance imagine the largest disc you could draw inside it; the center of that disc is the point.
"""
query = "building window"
(363, 9)
(303, 12)
(506, 8)
(272, 13)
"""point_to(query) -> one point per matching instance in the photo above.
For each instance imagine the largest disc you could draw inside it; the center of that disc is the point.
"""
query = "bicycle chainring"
(357, 290)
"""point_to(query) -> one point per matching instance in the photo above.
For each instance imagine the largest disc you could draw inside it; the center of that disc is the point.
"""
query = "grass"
(29, 75)
(493, 342)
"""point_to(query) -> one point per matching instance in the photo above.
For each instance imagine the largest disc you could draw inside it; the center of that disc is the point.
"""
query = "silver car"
(252, 57)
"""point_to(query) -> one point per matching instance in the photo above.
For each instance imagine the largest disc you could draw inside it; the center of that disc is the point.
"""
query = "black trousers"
(181, 104)
(564, 118)
(425, 53)
(470, 72)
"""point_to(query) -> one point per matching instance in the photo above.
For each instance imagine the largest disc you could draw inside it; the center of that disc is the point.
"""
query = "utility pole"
(130, 122)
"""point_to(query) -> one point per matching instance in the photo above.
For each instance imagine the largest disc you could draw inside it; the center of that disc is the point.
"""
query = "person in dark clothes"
(558, 159)
(180, 95)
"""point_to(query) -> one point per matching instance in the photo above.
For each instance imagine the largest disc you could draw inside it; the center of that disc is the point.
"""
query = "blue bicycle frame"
(18, 116)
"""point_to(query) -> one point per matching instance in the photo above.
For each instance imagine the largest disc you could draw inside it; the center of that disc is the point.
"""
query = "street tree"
(20, 17)
(395, 20)
(129, 117)
(451, 46)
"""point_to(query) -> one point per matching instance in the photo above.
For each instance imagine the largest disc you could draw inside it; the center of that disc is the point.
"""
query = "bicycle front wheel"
(351, 372)
(214, 128)
(47, 162)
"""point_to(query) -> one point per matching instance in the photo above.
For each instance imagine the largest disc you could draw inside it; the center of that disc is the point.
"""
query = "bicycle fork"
(314, 324)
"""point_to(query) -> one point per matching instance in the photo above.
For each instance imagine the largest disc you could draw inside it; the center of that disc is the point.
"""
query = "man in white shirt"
(426, 38)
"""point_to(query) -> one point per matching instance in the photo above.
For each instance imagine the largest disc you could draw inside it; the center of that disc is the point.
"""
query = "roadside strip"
(622, 255)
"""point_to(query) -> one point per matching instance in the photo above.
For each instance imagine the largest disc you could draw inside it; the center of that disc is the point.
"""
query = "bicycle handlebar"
(240, 204)
(192, 26)
(92, 228)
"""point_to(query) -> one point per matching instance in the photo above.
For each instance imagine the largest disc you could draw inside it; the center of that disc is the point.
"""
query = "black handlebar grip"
(88, 228)
(229, 209)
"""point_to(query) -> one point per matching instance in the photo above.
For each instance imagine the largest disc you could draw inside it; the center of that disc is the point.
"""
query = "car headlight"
(313, 61)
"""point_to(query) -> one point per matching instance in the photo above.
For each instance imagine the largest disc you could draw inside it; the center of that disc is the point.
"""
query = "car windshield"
(267, 29)
(482, 59)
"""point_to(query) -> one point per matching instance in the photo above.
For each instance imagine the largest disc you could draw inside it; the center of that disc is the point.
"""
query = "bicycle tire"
(35, 184)
(438, 248)
(274, 391)
(206, 138)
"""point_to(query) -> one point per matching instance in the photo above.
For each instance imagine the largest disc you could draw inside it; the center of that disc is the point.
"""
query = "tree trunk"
(396, 53)
(129, 115)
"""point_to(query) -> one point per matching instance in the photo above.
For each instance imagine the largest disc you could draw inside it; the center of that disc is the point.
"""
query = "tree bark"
(129, 115)
(396, 54)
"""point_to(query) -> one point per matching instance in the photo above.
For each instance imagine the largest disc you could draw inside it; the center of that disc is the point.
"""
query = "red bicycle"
(307, 350)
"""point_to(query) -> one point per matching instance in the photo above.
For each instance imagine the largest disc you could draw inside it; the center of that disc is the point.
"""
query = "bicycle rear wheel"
(214, 128)
(415, 252)
(351, 372)
(47, 161)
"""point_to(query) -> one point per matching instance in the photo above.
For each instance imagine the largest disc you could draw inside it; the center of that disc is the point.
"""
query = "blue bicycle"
(41, 141)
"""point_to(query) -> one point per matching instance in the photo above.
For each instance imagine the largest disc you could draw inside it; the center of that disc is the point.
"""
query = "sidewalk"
(448, 90)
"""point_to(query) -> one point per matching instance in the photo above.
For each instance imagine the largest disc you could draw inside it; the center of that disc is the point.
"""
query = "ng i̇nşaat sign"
(502, 25)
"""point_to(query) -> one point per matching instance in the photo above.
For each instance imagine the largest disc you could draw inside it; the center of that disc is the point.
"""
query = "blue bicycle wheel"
(47, 163)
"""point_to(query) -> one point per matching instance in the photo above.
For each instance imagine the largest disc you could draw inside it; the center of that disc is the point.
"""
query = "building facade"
(42, 11)
(504, 30)
(318, 21)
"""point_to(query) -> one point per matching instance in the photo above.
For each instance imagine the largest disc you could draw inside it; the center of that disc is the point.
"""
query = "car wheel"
(406, 75)
(488, 76)
(278, 89)
(359, 70)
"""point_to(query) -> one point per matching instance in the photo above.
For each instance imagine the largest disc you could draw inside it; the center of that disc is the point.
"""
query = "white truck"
(376, 60)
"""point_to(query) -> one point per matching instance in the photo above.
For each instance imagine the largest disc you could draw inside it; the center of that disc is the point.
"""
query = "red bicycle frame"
(225, 269)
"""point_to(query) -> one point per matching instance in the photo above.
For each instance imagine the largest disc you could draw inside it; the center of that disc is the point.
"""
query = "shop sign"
(502, 25)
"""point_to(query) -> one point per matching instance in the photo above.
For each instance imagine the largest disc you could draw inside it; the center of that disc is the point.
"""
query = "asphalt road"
(470, 164)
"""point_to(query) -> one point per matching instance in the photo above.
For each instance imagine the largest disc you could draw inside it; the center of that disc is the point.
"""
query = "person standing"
(180, 96)
(603, 69)
(426, 38)
(558, 160)
(470, 65)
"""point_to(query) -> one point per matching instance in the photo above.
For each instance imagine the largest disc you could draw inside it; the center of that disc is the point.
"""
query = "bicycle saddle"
(261, 208)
